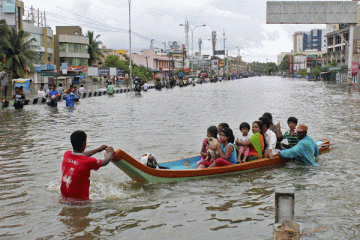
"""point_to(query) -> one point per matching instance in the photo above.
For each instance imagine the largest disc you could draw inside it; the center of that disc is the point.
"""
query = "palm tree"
(17, 49)
(94, 48)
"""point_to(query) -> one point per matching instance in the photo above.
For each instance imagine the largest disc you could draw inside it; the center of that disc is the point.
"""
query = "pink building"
(159, 63)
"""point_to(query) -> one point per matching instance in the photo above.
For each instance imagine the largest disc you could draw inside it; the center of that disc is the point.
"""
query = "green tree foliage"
(271, 68)
(16, 50)
(94, 49)
(315, 71)
(138, 71)
(285, 64)
(333, 64)
(303, 72)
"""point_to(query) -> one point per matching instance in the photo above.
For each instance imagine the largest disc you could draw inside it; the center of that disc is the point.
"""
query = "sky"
(243, 21)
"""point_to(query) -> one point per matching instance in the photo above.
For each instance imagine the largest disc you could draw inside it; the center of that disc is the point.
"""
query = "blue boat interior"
(190, 163)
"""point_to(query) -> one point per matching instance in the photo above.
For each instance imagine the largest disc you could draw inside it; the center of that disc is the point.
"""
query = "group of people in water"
(265, 142)
(51, 95)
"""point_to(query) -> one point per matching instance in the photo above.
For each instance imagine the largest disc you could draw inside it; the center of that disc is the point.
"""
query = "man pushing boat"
(77, 165)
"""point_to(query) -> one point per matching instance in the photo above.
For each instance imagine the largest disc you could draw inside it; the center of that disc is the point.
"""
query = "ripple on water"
(169, 124)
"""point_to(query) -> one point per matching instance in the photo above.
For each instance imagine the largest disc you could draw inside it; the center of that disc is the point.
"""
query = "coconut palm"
(17, 49)
(94, 47)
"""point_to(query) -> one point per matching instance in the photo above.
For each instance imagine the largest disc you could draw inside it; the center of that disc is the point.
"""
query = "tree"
(16, 47)
(271, 68)
(303, 72)
(112, 61)
(316, 72)
(285, 63)
(94, 49)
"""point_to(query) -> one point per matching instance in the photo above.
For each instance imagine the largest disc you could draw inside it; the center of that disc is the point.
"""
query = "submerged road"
(169, 124)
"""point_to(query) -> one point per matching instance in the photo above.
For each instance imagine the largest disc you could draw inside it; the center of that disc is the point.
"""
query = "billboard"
(175, 45)
(8, 6)
(311, 12)
(220, 52)
(77, 69)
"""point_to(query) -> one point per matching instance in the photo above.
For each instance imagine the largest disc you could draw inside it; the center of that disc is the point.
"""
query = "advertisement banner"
(25, 83)
(355, 68)
(8, 6)
(104, 72)
(77, 69)
(291, 65)
(174, 45)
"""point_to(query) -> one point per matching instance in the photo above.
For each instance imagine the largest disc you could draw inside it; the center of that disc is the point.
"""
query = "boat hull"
(183, 169)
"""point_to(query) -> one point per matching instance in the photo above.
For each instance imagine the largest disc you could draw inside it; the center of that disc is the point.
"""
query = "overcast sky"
(244, 22)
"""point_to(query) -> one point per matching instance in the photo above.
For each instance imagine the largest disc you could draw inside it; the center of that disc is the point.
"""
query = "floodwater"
(169, 124)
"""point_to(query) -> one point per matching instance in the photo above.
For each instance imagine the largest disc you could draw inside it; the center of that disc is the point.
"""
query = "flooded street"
(169, 124)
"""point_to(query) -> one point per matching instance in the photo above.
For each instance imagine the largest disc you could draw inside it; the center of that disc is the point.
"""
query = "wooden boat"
(183, 169)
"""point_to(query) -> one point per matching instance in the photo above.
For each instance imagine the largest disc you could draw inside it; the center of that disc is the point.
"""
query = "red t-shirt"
(76, 169)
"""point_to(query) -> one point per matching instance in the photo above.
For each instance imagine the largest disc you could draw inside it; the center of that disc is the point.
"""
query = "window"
(330, 41)
(337, 39)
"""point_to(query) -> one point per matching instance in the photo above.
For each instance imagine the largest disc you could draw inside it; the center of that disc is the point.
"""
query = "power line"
(102, 24)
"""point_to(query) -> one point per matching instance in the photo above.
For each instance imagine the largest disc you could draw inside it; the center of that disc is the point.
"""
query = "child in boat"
(226, 149)
(290, 135)
(212, 131)
(221, 126)
(243, 150)
(256, 142)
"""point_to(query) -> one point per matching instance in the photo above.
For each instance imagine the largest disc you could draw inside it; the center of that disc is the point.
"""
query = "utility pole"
(147, 67)
(131, 81)
(224, 54)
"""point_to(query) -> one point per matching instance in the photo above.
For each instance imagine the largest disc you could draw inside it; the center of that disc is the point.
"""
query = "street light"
(131, 81)
(192, 40)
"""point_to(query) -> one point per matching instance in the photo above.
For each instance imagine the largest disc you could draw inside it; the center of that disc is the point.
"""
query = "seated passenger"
(243, 150)
(221, 126)
(270, 138)
(225, 149)
(255, 142)
(290, 135)
(274, 128)
(212, 131)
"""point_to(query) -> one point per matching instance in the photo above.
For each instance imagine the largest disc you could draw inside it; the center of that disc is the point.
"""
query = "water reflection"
(77, 219)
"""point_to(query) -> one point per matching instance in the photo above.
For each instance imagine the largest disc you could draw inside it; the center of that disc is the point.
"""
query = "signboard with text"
(103, 72)
(120, 72)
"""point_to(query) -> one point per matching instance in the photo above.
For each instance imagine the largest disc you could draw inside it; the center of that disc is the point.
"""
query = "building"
(71, 50)
(108, 52)
(336, 56)
(12, 11)
(160, 63)
(312, 40)
(236, 65)
(298, 41)
(281, 56)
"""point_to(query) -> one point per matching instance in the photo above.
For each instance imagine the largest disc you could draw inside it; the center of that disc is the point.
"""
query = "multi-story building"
(312, 40)
(298, 40)
(12, 12)
(236, 65)
(71, 49)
